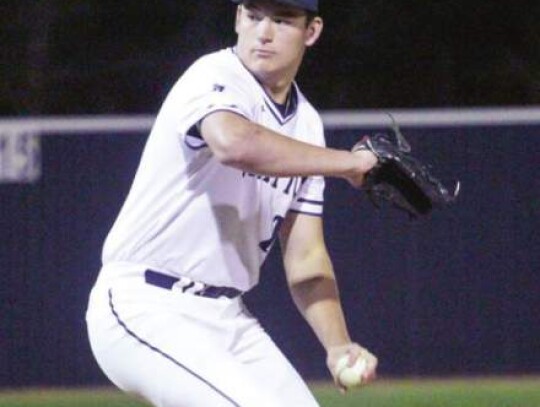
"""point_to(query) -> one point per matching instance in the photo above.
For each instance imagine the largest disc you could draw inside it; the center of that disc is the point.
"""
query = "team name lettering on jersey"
(288, 185)
(198, 193)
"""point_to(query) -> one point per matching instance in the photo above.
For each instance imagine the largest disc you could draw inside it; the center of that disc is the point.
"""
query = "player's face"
(272, 39)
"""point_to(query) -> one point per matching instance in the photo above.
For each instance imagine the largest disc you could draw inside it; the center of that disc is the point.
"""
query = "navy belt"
(167, 282)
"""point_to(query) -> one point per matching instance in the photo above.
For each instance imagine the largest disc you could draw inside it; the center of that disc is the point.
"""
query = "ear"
(313, 31)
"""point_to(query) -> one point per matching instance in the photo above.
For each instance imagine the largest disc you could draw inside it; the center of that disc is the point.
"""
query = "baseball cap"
(309, 5)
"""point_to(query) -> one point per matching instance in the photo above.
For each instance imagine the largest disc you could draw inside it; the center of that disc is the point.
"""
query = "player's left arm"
(313, 287)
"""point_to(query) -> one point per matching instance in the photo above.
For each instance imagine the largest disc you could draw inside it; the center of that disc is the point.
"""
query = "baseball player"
(235, 161)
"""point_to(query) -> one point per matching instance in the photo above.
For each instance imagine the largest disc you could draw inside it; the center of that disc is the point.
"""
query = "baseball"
(350, 376)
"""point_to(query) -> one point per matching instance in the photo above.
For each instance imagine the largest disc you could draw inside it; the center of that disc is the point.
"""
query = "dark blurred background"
(104, 57)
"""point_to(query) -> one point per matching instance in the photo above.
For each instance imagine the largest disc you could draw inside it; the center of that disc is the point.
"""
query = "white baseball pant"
(180, 350)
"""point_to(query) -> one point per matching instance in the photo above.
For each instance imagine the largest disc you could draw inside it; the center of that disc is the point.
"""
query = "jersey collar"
(286, 111)
(283, 113)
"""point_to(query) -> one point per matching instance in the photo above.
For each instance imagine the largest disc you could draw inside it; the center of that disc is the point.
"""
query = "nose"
(265, 30)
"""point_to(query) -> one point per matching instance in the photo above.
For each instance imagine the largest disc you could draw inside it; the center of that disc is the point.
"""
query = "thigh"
(265, 364)
(173, 359)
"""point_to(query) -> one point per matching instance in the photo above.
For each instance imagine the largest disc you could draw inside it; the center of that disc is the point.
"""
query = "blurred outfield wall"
(456, 294)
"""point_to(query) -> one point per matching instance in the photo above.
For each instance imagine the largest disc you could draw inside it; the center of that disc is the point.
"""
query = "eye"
(253, 16)
(282, 21)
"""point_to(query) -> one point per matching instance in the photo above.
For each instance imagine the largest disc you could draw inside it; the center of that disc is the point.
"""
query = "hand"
(354, 351)
(365, 160)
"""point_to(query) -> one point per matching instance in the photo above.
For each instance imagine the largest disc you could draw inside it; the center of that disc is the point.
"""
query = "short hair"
(310, 17)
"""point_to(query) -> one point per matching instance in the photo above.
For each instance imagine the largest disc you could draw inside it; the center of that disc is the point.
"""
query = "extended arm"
(313, 287)
(240, 143)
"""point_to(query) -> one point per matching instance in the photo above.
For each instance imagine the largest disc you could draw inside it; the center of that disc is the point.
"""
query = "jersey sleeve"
(207, 88)
(310, 197)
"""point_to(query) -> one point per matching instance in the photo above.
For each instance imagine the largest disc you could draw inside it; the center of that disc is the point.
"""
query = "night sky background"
(107, 57)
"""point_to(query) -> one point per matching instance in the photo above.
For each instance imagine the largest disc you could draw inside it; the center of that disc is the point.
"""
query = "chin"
(262, 70)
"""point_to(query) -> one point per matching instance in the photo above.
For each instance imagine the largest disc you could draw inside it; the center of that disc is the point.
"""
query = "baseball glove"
(400, 179)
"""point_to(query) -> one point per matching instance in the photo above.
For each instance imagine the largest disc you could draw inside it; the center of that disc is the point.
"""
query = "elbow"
(307, 278)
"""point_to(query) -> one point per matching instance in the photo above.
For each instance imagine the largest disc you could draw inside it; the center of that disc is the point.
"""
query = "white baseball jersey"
(189, 215)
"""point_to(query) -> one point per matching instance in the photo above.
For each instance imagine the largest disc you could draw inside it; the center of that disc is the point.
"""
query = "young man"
(236, 159)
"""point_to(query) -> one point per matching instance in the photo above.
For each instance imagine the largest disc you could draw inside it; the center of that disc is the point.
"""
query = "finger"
(371, 368)
(342, 389)
(355, 353)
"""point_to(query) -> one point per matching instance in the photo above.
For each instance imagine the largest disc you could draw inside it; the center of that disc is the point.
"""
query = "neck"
(278, 85)
(278, 93)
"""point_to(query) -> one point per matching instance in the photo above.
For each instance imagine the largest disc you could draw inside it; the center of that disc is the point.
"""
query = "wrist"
(366, 160)
(338, 341)
(359, 164)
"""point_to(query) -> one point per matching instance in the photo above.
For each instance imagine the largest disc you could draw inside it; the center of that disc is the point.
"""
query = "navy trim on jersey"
(318, 215)
(310, 201)
(165, 355)
(192, 146)
(196, 134)
(283, 113)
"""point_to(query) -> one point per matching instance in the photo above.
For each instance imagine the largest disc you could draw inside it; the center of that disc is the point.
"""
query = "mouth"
(263, 53)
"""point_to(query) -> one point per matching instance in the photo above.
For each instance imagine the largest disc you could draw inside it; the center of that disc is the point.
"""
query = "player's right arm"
(240, 143)
(314, 290)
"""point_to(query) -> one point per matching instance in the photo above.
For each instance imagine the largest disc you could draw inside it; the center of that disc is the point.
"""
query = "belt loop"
(188, 286)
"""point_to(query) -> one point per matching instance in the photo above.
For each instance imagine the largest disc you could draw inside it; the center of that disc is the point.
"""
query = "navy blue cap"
(309, 5)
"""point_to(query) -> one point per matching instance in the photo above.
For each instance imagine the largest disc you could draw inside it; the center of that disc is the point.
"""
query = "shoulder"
(219, 70)
(223, 63)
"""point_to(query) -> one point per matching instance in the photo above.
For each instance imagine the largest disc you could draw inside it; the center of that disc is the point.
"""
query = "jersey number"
(265, 245)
